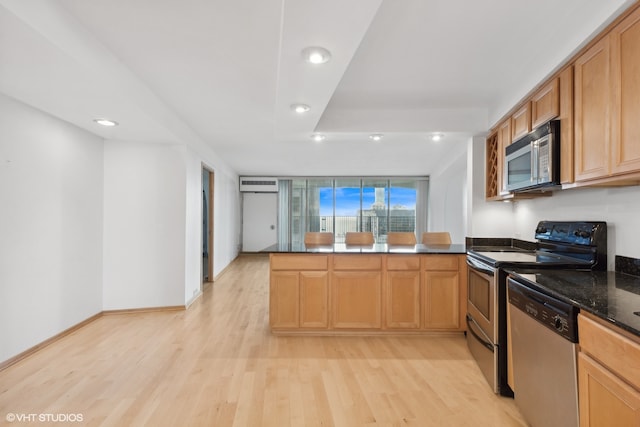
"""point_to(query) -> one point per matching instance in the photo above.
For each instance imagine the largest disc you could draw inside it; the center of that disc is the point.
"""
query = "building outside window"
(339, 205)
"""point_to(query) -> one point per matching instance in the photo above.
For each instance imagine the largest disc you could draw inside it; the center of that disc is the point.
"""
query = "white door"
(259, 221)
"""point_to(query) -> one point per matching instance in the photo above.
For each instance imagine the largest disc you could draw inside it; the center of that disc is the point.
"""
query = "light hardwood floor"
(217, 364)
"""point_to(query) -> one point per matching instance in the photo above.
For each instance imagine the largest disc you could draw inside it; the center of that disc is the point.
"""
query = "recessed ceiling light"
(318, 137)
(316, 55)
(105, 122)
(376, 137)
(437, 137)
(300, 108)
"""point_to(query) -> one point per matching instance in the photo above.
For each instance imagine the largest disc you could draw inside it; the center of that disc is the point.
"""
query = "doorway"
(207, 224)
(259, 219)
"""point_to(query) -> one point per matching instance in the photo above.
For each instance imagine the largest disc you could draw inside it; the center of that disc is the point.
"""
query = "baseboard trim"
(30, 351)
(144, 310)
(224, 270)
(195, 298)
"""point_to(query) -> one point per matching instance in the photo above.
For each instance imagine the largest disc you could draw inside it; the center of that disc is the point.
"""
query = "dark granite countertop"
(612, 296)
(378, 248)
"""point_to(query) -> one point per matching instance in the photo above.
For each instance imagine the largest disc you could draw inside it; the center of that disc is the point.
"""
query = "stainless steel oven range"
(580, 245)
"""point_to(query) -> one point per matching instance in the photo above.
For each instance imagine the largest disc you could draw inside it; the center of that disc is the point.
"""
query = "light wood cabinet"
(356, 288)
(596, 97)
(521, 122)
(607, 106)
(608, 376)
(441, 300)
(605, 400)
(367, 292)
(493, 167)
(545, 104)
(443, 279)
(402, 300)
(504, 139)
(625, 113)
(592, 103)
(565, 80)
(402, 292)
(356, 299)
(298, 291)
(284, 301)
(314, 287)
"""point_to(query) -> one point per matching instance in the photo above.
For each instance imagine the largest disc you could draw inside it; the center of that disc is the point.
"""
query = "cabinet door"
(521, 122)
(625, 72)
(402, 299)
(504, 139)
(356, 297)
(314, 286)
(592, 112)
(284, 299)
(605, 400)
(545, 104)
(441, 299)
(566, 125)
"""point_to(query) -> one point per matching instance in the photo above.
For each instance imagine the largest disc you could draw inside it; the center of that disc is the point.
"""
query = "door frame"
(210, 212)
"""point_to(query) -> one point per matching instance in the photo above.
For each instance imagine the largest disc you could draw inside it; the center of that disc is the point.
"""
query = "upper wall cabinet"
(504, 139)
(625, 113)
(521, 122)
(592, 112)
(596, 97)
(545, 104)
(607, 106)
(565, 80)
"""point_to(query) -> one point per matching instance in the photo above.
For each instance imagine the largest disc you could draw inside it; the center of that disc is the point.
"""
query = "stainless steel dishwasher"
(544, 333)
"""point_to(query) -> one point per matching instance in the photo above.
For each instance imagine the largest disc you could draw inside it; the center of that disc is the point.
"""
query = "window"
(339, 205)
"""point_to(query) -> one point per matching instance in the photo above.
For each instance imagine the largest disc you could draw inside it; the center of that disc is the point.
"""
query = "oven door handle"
(476, 265)
(484, 342)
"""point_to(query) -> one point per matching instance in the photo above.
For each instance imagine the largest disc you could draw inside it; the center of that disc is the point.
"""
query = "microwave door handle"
(533, 161)
(535, 152)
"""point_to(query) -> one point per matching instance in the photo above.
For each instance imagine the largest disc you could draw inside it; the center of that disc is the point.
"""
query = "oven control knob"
(557, 323)
(582, 233)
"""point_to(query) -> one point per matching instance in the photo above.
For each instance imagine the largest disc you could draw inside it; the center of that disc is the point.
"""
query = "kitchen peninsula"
(373, 289)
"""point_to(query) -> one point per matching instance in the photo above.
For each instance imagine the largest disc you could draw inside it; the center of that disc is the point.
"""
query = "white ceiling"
(223, 73)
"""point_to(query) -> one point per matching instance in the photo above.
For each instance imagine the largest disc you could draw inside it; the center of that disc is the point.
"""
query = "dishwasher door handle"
(485, 342)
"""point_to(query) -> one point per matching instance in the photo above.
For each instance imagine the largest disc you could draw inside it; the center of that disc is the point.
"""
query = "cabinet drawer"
(440, 262)
(299, 262)
(403, 262)
(357, 262)
(617, 352)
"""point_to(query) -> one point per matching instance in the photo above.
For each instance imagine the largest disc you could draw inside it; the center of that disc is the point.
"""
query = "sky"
(348, 199)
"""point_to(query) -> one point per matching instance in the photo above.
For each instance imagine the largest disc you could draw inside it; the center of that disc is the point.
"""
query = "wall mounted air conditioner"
(253, 184)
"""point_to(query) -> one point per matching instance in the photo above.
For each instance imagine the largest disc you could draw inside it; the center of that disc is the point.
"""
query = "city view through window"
(351, 204)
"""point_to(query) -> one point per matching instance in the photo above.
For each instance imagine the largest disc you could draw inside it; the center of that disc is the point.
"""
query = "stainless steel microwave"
(533, 161)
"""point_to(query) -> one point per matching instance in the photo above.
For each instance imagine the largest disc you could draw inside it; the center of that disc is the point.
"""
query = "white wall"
(448, 199)
(486, 219)
(620, 207)
(51, 213)
(144, 225)
(227, 219)
(153, 223)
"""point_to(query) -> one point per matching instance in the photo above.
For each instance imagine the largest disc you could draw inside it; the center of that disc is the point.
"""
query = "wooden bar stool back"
(401, 238)
(359, 238)
(318, 238)
(436, 238)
